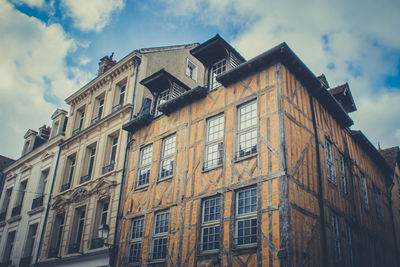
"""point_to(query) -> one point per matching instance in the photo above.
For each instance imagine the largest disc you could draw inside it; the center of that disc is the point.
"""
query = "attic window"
(191, 70)
(162, 98)
(216, 69)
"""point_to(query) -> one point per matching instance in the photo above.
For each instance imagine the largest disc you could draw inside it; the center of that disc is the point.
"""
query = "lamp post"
(103, 232)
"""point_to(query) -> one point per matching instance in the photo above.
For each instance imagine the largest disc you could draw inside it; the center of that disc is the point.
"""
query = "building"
(257, 166)
(4, 162)
(392, 156)
(92, 160)
(27, 188)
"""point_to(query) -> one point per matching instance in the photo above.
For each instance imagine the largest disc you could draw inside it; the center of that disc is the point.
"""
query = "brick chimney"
(44, 132)
(106, 63)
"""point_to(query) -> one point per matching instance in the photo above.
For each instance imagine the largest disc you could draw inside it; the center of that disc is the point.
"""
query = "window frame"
(210, 224)
(160, 235)
(193, 69)
(167, 158)
(364, 192)
(335, 232)
(330, 162)
(213, 83)
(251, 129)
(162, 96)
(219, 142)
(77, 230)
(343, 174)
(146, 166)
(247, 216)
(57, 234)
(135, 240)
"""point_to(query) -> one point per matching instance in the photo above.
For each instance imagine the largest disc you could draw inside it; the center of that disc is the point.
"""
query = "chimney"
(106, 63)
(44, 132)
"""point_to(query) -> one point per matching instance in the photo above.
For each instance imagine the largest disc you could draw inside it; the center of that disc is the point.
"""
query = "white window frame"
(214, 141)
(342, 169)
(167, 156)
(247, 216)
(160, 235)
(378, 202)
(191, 70)
(330, 162)
(211, 224)
(161, 98)
(246, 127)
(216, 69)
(135, 239)
(364, 191)
(144, 165)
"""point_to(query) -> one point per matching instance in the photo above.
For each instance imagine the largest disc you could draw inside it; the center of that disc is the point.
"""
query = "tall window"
(162, 98)
(5, 204)
(113, 150)
(92, 153)
(246, 216)
(56, 237)
(77, 230)
(214, 141)
(121, 95)
(210, 223)
(20, 199)
(99, 220)
(191, 70)
(330, 164)
(43, 182)
(378, 202)
(80, 116)
(9, 246)
(30, 242)
(337, 249)
(349, 243)
(364, 192)
(343, 177)
(167, 156)
(144, 165)
(216, 69)
(160, 235)
(135, 240)
(69, 173)
(247, 129)
(100, 107)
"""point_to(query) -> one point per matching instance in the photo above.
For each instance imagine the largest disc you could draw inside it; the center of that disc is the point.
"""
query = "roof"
(213, 50)
(283, 54)
(343, 95)
(5, 162)
(323, 79)
(160, 80)
(166, 48)
(363, 141)
(392, 156)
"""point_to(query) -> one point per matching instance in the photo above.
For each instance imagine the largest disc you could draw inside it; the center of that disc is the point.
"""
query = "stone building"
(26, 193)
(88, 182)
(257, 166)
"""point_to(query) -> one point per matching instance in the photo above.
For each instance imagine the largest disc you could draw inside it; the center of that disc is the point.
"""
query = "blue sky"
(49, 49)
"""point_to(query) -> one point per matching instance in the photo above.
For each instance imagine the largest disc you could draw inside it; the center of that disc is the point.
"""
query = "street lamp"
(103, 232)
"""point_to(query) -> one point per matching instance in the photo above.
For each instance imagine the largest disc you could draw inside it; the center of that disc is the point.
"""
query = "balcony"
(16, 211)
(65, 187)
(85, 178)
(74, 248)
(108, 168)
(95, 120)
(53, 252)
(3, 216)
(76, 131)
(116, 107)
(37, 202)
(25, 262)
(96, 243)
(6, 263)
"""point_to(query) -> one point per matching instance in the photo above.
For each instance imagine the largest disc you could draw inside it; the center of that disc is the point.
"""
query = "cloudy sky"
(49, 49)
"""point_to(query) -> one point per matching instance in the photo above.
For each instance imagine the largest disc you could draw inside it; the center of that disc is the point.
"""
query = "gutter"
(48, 204)
(114, 249)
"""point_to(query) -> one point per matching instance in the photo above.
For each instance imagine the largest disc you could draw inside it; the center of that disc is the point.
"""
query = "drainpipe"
(325, 261)
(48, 204)
(129, 139)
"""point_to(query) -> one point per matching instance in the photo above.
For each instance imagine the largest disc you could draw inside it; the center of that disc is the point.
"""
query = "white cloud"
(31, 3)
(32, 68)
(362, 47)
(91, 14)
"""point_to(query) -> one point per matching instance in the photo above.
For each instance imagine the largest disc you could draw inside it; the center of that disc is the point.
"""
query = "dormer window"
(216, 69)
(162, 98)
(191, 70)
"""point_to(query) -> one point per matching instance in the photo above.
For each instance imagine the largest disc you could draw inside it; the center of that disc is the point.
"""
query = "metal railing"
(53, 252)
(95, 120)
(108, 168)
(65, 187)
(74, 248)
(116, 107)
(76, 131)
(37, 202)
(85, 178)
(16, 211)
(96, 243)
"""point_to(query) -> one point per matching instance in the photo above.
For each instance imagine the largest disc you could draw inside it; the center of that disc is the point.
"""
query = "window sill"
(166, 178)
(141, 188)
(14, 219)
(243, 249)
(158, 262)
(208, 253)
(245, 157)
(212, 168)
(36, 210)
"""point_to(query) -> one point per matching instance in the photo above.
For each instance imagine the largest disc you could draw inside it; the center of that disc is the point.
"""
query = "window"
(135, 240)
(330, 165)
(349, 243)
(77, 230)
(167, 156)
(210, 223)
(113, 144)
(247, 129)
(20, 199)
(343, 177)
(56, 237)
(91, 152)
(30, 242)
(38, 200)
(246, 216)
(160, 235)
(162, 98)
(121, 95)
(6, 202)
(337, 250)
(9, 246)
(216, 69)
(70, 167)
(26, 147)
(191, 70)
(99, 112)
(144, 166)
(55, 128)
(364, 192)
(99, 220)
(80, 115)
(214, 141)
(378, 202)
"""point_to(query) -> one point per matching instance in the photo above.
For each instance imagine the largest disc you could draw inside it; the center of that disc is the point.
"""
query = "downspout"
(320, 190)
(114, 249)
(48, 204)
